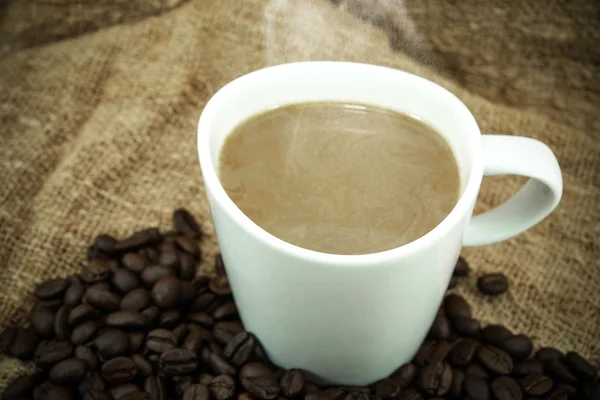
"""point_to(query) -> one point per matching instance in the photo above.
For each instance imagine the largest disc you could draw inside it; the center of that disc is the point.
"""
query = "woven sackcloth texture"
(99, 104)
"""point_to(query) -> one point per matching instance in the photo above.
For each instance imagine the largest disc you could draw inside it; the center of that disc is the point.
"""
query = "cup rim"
(213, 184)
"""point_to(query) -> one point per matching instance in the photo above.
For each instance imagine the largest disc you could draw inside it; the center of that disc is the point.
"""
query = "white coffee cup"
(354, 319)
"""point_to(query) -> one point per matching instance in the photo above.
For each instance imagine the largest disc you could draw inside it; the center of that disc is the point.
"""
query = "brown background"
(99, 103)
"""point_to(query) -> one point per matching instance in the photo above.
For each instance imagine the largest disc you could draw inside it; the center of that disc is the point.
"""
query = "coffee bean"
(476, 369)
(24, 344)
(95, 395)
(225, 310)
(196, 392)
(547, 354)
(180, 331)
(112, 344)
(144, 367)
(103, 299)
(454, 280)
(436, 379)
(476, 388)
(205, 378)
(185, 223)
(51, 289)
(152, 314)
(117, 392)
(74, 293)
(177, 362)
(495, 360)
(187, 267)
(98, 286)
(169, 256)
(169, 319)
(153, 273)
(590, 390)
(458, 377)
(50, 352)
(506, 388)
(126, 319)
(105, 243)
(495, 334)
(292, 384)
(60, 322)
(181, 384)
(204, 301)
(580, 366)
(518, 346)
(96, 271)
(461, 268)
(7, 338)
(138, 395)
(156, 387)
(88, 356)
(437, 351)
(225, 331)
(53, 304)
(193, 341)
(188, 245)
(165, 292)
(20, 388)
(409, 394)
(571, 391)
(492, 284)
(258, 379)
(456, 306)
(440, 329)
(385, 389)
(135, 262)
(466, 326)
(559, 370)
(81, 313)
(218, 363)
(222, 387)
(136, 340)
(58, 393)
(91, 381)
(136, 300)
(125, 281)
(139, 239)
(160, 340)
(556, 394)
(536, 384)
(201, 318)
(241, 348)
(84, 332)
(42, 320)
(41, 391)
(70, 370)
(220, 285)
(462, 353)
(119, 370)
(527, 367)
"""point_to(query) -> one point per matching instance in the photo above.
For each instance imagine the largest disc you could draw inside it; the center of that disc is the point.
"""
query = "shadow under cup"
(346, 319)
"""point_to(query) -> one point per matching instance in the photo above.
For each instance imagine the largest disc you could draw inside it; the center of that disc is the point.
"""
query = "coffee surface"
(340, 178)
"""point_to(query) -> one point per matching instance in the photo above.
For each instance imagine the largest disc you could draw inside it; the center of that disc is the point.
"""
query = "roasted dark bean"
(547, 354)
(527, 367)
(580, 366)
(81, 313)
(461, 268)
(462, 353)
(495, 360)
(119, 370)
(409, 394)
(258, 379)
(95, 271)
(169, 256)
(185, 223)
(466, 326)
(135, 262)
(225, 310)
(61, 329)
(136, 340)
(219, 364)
(42, 320)
(180, 332)
(70, 370)
(169, 319)
(241, 348)
(7, 338)
(58, 393)
(440, 329)
(204, 301)
(92, 381)
(136, 300)
(436, 379)
(125, 281)
(456, 306)
(559, 370)
(95, 395)
(225, 331)
(84, 332)
(20, 388)
(188, 292)
(51, 289)
(202, 319)
(220, 285)
(142, 238)
(156, 387)
(166, 292)
(177, 362)
(476, 388)
(518, 346)
(187, 267)
(222, 387)
(41, 391)
(536, 384)
(495, 334)
(492, 284)
(292, 385)
(144, 367)
(458, 377)
(160, 340)
(476, 369)
(152, 314)
(196, 392)
(181, 384)
(88, 356)
(506, 388)
(105, 243)
(74, 293)
(112, 344)
(193, 341)
(117, 392)
(24, 344)
(126, 319)
(50, 352)
(153, 273)
(103, 299)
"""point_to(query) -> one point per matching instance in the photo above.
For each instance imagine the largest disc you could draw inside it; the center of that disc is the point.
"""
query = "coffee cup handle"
(517, 155)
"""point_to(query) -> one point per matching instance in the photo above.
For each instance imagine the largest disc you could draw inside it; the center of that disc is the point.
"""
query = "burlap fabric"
(99, 105)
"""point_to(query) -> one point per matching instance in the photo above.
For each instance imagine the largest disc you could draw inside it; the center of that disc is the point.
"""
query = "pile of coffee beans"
(137, 323)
